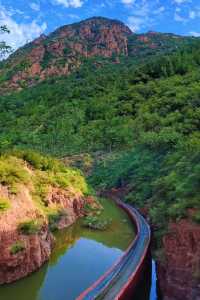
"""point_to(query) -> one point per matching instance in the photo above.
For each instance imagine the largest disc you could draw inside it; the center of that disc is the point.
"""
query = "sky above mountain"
(28, 19)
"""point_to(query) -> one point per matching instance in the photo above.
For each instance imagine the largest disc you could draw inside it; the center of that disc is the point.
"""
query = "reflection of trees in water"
(65, 239)
(27, 288)
(119, 235)
(112, 238)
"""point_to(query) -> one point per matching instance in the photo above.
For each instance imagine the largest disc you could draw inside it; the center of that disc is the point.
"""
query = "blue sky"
(28, 19)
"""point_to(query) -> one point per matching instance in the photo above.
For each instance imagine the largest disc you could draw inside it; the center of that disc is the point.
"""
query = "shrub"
(12, 171)
(196, 217)
(96, 223)
(4, 204)
(37, 160)
(54, 218)
(17, 247)
(177, 211)
(29, 227)
(70, 178)
(92, 210)
(158, 213)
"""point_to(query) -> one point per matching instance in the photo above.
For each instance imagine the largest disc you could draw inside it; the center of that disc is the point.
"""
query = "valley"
(95, 109)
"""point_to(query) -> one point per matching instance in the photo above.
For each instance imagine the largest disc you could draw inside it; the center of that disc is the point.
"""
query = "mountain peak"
(105, 21)
(95, 25)
(64, 50)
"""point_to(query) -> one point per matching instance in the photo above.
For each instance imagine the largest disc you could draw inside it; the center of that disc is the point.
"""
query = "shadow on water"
(147, 289)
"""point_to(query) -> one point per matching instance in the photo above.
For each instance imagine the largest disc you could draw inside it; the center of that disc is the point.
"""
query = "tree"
(4, 48)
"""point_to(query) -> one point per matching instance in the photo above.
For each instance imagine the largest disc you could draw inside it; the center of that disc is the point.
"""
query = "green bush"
(17, 247)
(93, 210)
(54, 217)
(93, 222)
(12, 171)
(30, 227)
(196, 217)
(4, 204)
(177, 211)
(37, 160)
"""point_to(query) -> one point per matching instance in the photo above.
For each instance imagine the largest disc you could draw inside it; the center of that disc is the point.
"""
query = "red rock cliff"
(36, 247)
(63, 50)
(179, 276)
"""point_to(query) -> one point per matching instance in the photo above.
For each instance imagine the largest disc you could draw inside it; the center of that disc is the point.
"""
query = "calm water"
(79, 258)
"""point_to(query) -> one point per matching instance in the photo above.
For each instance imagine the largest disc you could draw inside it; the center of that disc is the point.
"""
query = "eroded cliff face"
(179, 273)
(67, 48)
(37, 246)
(63, 51)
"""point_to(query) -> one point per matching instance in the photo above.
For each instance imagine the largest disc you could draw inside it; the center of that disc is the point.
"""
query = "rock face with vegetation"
(179, 269)
(64, 50)
(37, 195)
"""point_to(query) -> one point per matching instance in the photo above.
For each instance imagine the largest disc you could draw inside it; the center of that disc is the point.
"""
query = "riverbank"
(37, 196)
(76, 250)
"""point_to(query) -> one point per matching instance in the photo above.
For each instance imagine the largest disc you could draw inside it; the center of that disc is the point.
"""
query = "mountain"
(130, 105)
(64, 50)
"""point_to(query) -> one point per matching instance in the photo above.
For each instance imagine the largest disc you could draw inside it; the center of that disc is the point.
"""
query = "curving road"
(116, 283)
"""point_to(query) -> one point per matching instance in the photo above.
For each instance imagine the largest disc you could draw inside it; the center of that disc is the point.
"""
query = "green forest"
(138, 122)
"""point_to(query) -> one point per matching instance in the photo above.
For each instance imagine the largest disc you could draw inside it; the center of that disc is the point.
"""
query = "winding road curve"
(118, 282)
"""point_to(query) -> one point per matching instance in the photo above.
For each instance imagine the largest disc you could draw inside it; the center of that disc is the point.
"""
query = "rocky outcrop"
(70, 202)
(64, 50)
(33, 249)
(179, 273)
(37, 249)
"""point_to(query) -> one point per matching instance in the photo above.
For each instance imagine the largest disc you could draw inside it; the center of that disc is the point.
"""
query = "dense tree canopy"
(148, 115)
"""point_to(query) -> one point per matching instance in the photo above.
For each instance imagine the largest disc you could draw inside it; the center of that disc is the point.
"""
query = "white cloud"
(69, 3)
(193, 14)
(128, 2)
(20, 33)
(160, 10)
(195, 33)
(135, 23)
(179, 18)
(181, 1)
(34, 6)
(73, 16)
(144, 15)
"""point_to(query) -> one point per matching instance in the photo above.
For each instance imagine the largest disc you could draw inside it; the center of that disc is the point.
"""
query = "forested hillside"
(146, 114)
(153, 109)
(162, 170)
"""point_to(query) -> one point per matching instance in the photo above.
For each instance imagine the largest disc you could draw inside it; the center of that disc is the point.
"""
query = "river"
(80, 256)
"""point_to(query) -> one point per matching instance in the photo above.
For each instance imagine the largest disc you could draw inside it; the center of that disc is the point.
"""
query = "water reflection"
(80, 257)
